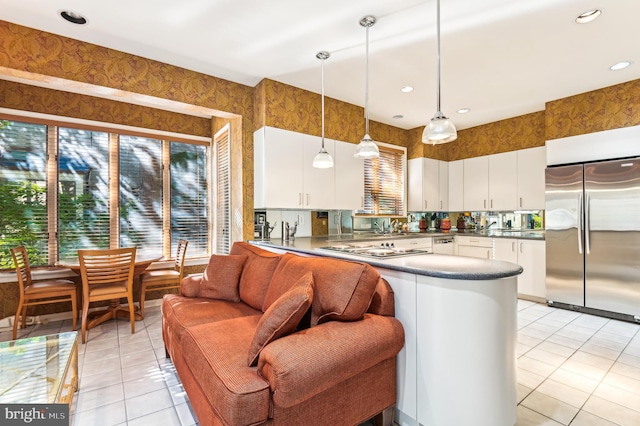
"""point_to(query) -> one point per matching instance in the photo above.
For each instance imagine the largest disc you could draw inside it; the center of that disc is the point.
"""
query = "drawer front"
(464, 240)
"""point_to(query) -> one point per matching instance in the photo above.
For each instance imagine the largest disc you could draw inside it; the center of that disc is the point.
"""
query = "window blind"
(83, 193)
(189, 219)
(23, 210)
(141, 193)
(223, 193)
(384, 183)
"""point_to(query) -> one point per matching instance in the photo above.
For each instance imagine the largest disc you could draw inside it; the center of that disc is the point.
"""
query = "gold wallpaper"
(290, 108)
(525, 131)
(604, 109)
(37, 99)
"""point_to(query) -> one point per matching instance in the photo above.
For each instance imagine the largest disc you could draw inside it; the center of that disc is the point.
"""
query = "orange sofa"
(264, 338)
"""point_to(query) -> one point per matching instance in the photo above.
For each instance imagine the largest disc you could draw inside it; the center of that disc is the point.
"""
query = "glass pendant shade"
(367, 148)
(322, 160)
(439, 130)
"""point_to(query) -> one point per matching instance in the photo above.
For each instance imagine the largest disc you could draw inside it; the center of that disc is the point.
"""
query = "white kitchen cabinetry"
(503, 181)
(456, 185)
(530, 255)
(349, 177)
(284, 176)
(425, 243)
(428, 187)
(480, 247)
(531, 184)
(476, 183)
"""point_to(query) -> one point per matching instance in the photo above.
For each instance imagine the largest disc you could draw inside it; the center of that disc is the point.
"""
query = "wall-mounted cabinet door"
(414, 185)
(531, 186)
(456, 186)
(443, 185)
(349, 183)
(503, 181)
(319, 184)
(476, 183)
(278, 169)
(424, 185)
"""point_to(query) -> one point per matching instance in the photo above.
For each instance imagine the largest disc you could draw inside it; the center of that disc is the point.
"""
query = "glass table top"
(33, 369)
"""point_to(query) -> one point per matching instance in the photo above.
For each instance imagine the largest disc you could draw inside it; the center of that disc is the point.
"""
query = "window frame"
(402, 151)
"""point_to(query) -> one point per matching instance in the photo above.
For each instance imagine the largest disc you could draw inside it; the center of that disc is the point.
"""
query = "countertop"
(432, 265)
(525, 234)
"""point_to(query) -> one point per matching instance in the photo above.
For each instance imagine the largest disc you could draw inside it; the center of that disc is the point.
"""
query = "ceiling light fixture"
(620, 66)
(398, 117)
(73, 17)
(440, 129)
(464, 110)
(367, 148)
(322, 160)
(407, 89)
(589, 16)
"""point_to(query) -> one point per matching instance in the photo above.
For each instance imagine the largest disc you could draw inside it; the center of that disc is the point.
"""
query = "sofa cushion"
(283, 316)
(216, 353)
(179, 312)
(256, 274)
(342, 289)
(222, 276)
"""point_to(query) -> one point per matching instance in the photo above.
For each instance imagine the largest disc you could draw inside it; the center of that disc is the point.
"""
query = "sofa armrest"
(310, 361)
(190, 285)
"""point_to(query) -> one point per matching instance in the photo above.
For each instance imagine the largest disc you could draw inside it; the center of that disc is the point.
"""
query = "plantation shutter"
(223, 193)
(384, 183)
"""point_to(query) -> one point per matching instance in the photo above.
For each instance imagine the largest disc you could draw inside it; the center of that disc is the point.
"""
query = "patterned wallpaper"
(525, 131)
(37, 99)
(604, 109)
(290, 108)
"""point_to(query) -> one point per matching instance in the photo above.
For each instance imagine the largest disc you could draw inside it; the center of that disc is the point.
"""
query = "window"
(384, 183)
(64, 189)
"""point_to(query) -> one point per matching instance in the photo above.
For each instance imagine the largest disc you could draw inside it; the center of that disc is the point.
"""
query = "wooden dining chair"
(163, 279)
(106, 275)
(41, 292)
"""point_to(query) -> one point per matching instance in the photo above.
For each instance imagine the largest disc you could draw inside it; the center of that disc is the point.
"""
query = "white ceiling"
(501, 58)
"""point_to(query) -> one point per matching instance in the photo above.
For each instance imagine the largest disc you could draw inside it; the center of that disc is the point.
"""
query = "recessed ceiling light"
(407, 89)
(398, 117)
(620, 65)
(73, 17)
(463, 110)
(589, 16)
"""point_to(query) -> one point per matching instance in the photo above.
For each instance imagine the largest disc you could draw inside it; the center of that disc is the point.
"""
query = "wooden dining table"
(114, 310)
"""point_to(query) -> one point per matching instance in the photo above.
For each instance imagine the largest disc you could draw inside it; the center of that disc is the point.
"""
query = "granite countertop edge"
(430, 265)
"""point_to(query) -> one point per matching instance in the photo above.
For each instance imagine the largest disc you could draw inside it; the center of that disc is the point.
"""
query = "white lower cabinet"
(530, 255)
(480, 247)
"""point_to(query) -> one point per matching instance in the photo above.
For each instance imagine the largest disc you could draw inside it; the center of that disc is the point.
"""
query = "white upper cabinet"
(531, 185)
(503, 181)
(283, 174)
(476, 183)
(349, 177)
(456, 185)
(428, 187)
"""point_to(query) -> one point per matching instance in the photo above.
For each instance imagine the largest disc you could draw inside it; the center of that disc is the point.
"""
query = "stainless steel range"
(372, 250)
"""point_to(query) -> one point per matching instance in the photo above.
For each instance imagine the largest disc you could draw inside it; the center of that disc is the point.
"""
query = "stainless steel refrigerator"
(593, 236)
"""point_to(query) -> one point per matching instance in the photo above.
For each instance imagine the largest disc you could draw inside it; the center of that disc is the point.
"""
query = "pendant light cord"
(322, 89)
(438, 112)
(366, 89)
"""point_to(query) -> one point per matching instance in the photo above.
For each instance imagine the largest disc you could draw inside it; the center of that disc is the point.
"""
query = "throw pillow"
(283, 316)
(221, 278)
(190, 286)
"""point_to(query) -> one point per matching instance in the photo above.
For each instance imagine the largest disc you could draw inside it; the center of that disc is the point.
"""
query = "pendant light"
(367, 148)
(322, 160)
(440, 129)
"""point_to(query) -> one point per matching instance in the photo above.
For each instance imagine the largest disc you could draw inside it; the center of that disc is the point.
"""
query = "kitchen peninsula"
(458, 365)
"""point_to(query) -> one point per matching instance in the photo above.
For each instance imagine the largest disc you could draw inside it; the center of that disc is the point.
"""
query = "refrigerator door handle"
(587, 225)
(580, 222)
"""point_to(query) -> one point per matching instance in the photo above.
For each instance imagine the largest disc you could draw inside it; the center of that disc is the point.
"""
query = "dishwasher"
(443, 245)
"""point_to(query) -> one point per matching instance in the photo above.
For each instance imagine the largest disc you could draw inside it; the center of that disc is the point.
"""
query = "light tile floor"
(573, 369)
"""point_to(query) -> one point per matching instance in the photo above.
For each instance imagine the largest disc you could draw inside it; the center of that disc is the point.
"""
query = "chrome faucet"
(378, 227)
